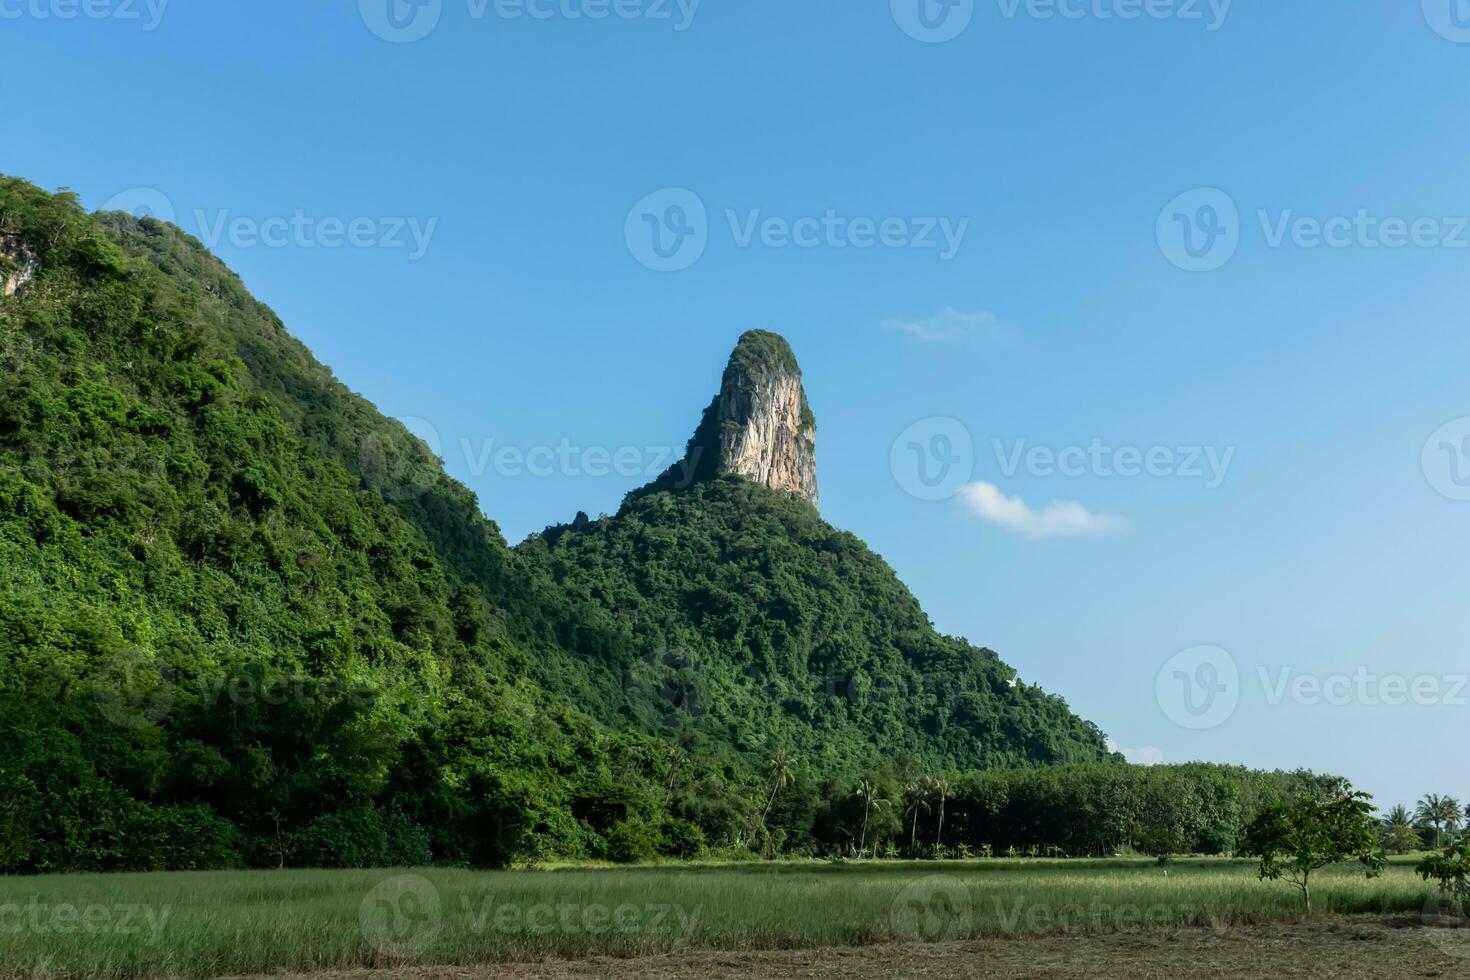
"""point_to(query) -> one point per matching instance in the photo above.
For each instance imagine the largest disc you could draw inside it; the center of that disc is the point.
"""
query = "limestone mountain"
(247, 620)
(753, 622)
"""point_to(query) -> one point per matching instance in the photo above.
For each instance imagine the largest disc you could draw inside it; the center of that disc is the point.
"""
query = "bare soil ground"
(1355, 947)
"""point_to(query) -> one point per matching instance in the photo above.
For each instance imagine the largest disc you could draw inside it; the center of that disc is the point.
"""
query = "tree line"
(1089, 810)
(1433, 822)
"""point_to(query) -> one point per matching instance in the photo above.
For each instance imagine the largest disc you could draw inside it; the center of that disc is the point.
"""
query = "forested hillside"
(246, 620)
(763, 627)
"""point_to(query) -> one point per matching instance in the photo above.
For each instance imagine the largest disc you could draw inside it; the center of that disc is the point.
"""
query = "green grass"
(211, 924)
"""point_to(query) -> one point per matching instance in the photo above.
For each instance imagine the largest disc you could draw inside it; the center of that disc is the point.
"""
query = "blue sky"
(452, 223)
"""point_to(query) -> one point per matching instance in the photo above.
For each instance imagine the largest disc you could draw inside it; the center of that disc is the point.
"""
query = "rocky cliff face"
(766, 430)
(758, 427)
(17, 265)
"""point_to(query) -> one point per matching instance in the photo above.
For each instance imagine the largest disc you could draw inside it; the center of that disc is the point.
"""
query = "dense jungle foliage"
(245, 620)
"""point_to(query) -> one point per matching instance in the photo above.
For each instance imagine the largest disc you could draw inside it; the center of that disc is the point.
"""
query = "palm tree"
(1441, 812)
(1398, 834)
(677, 759)
(940, 787)
(1427, 811)
(917, 794)
(778, 769)
(873, 799)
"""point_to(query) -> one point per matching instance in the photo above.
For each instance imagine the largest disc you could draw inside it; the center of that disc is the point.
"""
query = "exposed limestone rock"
(18, 265)
(766, 430)
(758, 427)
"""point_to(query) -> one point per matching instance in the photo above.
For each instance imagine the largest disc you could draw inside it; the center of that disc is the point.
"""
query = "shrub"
(178, 838)
(630, 841)
(682, 839)
(362, 837)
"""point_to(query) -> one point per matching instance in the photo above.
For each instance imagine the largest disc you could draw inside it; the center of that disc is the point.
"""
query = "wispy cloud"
(950, 324)
(1064, 518)
(1147, 756)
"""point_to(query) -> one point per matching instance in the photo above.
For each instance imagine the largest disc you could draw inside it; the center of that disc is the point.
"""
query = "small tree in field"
(1451, 870)
(1294, 839)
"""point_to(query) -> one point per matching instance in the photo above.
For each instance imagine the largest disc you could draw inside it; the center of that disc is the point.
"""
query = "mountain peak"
(758, 427)
(762, 350)
(766, 429)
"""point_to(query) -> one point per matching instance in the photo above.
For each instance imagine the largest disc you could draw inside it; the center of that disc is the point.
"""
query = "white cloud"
(1064, 518)
(952, 324)
(1146, 756)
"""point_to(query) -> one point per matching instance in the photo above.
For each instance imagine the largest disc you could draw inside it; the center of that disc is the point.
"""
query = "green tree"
(780, 773)
(1451, 870)
(1294, 839)
(916, 793)
(940, 789)
(677, 760)
(1398, 833)
(1440, 812)
(872, 799)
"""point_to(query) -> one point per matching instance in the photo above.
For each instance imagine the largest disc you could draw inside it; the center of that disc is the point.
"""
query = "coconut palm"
(678, 758)
(1440, 812)
(779, 771)
(1453, 812)
(1398, 833)
(873, 799)
(917, 794)
(940, 788)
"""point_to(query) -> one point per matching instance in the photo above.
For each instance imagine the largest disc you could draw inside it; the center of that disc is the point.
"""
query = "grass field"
(215, 924)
